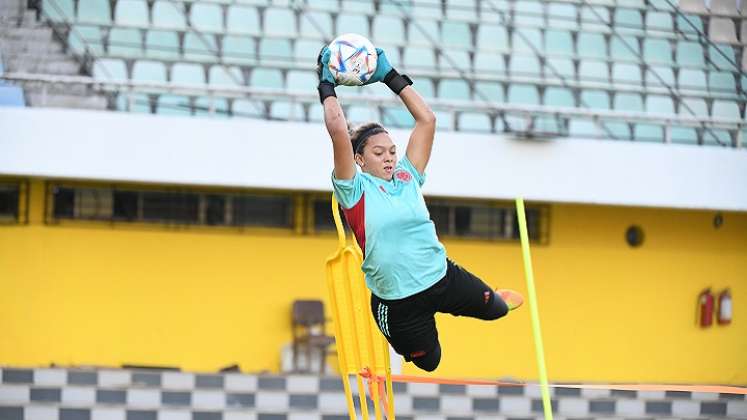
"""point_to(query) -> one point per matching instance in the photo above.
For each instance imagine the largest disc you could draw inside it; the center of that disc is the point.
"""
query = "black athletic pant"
(409, 323)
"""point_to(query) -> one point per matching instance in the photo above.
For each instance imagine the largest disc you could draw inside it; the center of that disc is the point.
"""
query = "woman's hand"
(322, 67)
(383, 67)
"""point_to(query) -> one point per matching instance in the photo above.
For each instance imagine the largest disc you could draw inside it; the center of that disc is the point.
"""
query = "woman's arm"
(337, 127)
(421, 139)
(334, 119)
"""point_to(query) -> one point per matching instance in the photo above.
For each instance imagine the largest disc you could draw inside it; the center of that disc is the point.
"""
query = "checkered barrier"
(76, 394)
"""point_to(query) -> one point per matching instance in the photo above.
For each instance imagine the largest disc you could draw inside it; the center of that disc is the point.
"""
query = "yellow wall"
(202, 299)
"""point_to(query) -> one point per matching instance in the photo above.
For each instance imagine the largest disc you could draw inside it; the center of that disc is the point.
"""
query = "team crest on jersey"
(403, 176)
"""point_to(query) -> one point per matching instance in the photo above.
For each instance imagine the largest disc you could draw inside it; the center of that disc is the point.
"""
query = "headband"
(361, 140)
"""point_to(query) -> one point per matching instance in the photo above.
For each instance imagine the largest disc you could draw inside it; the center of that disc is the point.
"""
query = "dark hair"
(360, 134)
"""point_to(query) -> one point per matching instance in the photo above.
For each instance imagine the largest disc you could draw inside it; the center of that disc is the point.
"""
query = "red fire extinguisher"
(705, 308)
(724, 307)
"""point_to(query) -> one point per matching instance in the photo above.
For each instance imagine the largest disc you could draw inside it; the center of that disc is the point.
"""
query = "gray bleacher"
(632, 70)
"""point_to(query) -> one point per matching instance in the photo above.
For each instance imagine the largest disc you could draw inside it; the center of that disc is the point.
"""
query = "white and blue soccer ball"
(353, 59)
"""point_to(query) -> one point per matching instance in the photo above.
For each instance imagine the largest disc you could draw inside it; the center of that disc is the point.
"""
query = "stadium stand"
(671, 69)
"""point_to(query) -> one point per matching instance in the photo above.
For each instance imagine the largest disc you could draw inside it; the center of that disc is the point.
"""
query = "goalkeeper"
(405, 265)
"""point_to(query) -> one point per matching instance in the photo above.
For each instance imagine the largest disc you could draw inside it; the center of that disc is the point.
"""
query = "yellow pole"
(534, 312)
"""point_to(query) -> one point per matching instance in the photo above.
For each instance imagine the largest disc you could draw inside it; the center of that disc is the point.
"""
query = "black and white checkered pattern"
(73, 394)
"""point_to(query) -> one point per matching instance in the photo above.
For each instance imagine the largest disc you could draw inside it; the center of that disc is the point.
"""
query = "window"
(484, 220)
(10, 194)
(180, 207)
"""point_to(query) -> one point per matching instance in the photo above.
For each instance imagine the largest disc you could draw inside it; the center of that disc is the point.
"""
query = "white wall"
(253, 153)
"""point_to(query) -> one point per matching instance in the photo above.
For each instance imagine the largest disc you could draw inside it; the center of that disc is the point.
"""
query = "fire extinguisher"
(705, 308)
(724, 307)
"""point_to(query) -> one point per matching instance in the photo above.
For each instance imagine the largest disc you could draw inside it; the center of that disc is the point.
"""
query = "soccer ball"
(353, 59)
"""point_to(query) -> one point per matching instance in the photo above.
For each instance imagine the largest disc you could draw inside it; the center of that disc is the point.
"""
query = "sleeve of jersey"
(409, 167)
(348, 191)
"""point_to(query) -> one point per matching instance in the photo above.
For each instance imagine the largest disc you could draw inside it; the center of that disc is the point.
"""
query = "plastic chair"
(657, 51)
(529, 41)
(561, 97)
(631, 102)
(693, 6)
(626, 73)
(308, 329)
(616, 130)
(131, 12)
(492, 37)
(693, 106)
(491, 91)
(266, 78)
(109, 69)
(595, 18)
(462, 10)
(523, 94)
(488, 62)
(626, 48)
(722, 30)
(455, 59)
(316, 25)
(529, 13)
(628, 20)
(659, 76)
(453, 89)
(279, 22)
(423, 32)
(427, 9)
(273, 50)
(188, 73)
(125, 42)
(657, 104)
(149, 71)
(239, 50)
(350, 22)
(95, 11)
(648, 133)
(456, 35)
(242, 20)
(591, 45)
(722, 81)
(420, 58)
(593, 71)
(558, 42)
(83, 37)
(206, 17)
(167, 14)
(300, 80)
(211, 107)
(725, 109)
(684, 135)
(200, 47)
(595, 99)
(659, 22)
(724, 7)
(173, 105)
(58, 10)
(474, 122)
(388, 29)
(162, 44)
(561, 16)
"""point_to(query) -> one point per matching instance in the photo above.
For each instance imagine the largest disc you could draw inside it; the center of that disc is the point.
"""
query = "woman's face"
(379, 157)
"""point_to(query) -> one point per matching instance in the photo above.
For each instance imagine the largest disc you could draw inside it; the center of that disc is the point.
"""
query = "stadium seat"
(725, 109)
(691, 26)
(419, 58)
(392, 52)
(133, 102)
(724, 7)
(266, 78)
(225, 75)
(694, 80)
(359, 114)
(690, 54)
(242, 20)
(693, 6)
(355, 23)
(631, 102)
(167, 14)
(301, 81)
(658, 104)
(131, 12)
(559, 68)
(188, 74)
(206, 17)
(396, 7)
(358, 6)
(455, 59)
(173, 105)
(388, 28)
(211, 107)
(427, 9)
(562, 16)
(425, 88)
(84, 37)
(591, 45)
(444, 120)
(523, 94)
(279, 22)
(94, 11)
(721, 81)
(453, 89)
(149, 71)
(274, 50)
(162, 44)
(660, 76)
(628, 20)
(456, 35)
(306, 51)
(461, 10)
(657, 51)
(625, 48)
(488, 62)
(397, 117)
(423, 33)
(316, 114)
(492, 37)
(490, 91)
(239, 50)
(722, 56)
(684, 135)
(558, 42)
(524, 66)
(583, 128)
(626, 73)
(316, 25)
(593, 71)
(252, 108)
(595, 18)
(594, 99)
(526, 40)
(58, 10)
(693, 107)
(559, 97)
(529, 13)
(125, 42)
(659, 22)
(200, 47)
(474, 122)
(715, 137)
(616, 130)
(109, 69)
(648, 133)
(722, 30)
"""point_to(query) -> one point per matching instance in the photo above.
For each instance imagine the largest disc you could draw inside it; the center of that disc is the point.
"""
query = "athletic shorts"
(409, 323)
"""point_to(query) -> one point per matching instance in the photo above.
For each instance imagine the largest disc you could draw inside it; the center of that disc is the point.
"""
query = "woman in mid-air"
(405, 265)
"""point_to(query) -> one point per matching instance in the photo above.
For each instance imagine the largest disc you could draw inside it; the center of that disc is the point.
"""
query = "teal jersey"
(401, 252)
